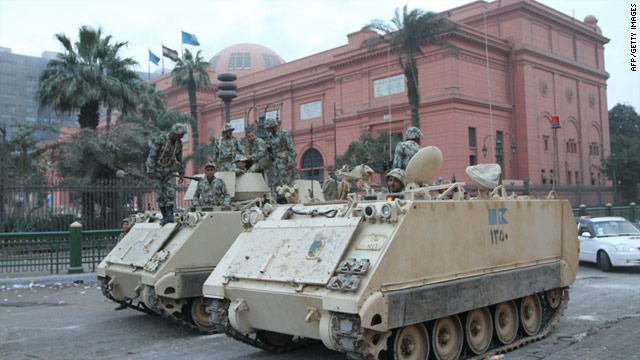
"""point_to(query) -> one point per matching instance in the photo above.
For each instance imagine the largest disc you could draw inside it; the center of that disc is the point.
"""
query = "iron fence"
(53, 252)
(53, 205)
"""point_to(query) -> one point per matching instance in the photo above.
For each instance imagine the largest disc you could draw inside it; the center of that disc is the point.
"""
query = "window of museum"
(312, 165)
(572, 146)
(543, 176)
(594, 149)
(568, 177)
(472, 160)
(545, 139)
(472, 137)
(593, 179)
(240, 61)
(577, 178)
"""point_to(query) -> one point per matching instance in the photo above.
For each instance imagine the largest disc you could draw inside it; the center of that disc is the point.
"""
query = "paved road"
(73, 321)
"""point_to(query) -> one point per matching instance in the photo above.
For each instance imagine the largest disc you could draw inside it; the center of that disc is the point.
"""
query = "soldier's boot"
(169, 211)
(164, 220)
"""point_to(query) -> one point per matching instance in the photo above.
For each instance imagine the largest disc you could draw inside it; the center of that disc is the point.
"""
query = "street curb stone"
(50, 279)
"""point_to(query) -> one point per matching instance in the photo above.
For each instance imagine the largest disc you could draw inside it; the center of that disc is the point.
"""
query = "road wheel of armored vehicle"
(506, 322)
(531, 314)
(447, 338)
(478, 330)
(553, 297)
(409, 343)
(199, 316)
(274, 338)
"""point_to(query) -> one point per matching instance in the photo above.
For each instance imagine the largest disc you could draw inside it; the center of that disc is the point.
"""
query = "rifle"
(196, 178)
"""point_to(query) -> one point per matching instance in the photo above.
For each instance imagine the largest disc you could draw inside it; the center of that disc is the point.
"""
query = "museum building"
(541, 64)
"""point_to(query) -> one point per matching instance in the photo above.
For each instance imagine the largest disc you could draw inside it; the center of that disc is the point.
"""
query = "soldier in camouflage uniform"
(256, 150)
(240, 166)
(126, 226)
(406, 149)
(165, 158)
(225, 148)
(211, 191)
(396, 180)
(282, 153)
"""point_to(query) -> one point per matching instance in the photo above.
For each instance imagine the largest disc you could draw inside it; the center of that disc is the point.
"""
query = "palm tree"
(191, 72)
(88, 75)
(408, 33)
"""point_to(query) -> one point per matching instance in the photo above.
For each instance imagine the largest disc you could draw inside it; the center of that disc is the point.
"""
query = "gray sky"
(292, 28)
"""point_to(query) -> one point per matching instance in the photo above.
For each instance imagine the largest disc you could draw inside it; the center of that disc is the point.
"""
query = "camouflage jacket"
(212, 193)
(225, 151)
(404, 152)
(281, 146)
(256, 149)
(164, 154)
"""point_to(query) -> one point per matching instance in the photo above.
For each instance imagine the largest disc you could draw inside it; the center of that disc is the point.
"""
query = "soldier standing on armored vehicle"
(126, 226)
(396, 180)
(211, 191)
(282, 153)
(165, 158)
(225, 148)
(256, 151)
(406, 149)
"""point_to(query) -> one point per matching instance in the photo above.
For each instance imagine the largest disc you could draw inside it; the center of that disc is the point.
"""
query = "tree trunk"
(89, 115)
(109, 110)
(193, 106)
(413, 92)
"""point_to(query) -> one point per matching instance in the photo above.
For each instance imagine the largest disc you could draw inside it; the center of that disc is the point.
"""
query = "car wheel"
(604, 262)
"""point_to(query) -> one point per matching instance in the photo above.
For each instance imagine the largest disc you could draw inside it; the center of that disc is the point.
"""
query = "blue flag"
(189, 39)
(153, 58)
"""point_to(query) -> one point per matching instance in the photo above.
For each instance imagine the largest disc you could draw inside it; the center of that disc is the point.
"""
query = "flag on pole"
(171, 54)
(189, 39)
(153, 58)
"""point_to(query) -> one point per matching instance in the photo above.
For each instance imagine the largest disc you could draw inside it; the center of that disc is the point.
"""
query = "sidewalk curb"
(50, 279)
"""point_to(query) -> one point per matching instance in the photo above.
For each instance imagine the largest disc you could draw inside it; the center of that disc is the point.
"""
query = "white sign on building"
(238, 124)
(311, 110)
(388, 86)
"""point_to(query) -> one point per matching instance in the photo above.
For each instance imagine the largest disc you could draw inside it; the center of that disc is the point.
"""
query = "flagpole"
(162, 58)
(149, 65)
(181, 46)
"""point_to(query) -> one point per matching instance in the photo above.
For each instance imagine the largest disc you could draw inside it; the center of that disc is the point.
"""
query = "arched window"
(312, 165)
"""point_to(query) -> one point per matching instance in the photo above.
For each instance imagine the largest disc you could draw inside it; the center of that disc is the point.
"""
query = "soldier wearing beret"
(165, 159)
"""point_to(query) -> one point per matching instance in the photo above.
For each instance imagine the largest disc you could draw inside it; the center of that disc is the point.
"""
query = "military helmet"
(241, 157)
(413, 133)
(126, 220)
(178, 129)
(227, 127)
(398, 174)
(210, 164)
(270, 122)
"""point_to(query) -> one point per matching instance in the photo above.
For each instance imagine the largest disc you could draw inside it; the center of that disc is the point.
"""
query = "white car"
(609, 242)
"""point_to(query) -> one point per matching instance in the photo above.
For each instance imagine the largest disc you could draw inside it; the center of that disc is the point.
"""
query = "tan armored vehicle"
(430, 271)
(161, 269)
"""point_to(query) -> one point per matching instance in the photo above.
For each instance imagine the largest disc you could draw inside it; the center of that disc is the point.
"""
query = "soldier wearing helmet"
(225, 148)
(211, 191)
(257, 155)
(396, 180)
(282, 153)
(165, 159)
(406, 149)
(126, 226)
(240, 165)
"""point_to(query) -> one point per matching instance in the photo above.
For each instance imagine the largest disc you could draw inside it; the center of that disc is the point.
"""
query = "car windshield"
(615, 228)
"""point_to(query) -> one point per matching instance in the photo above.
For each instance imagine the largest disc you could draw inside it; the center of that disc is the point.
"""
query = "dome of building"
(243, 59)
(590, 20)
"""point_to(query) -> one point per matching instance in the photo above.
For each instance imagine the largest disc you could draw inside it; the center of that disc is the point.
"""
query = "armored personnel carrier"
(428, 272)
(161, 269)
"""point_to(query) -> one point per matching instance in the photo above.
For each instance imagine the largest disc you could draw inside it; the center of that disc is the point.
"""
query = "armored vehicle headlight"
(369, 211)
(245, 217)
(255, 217)
(386, 210)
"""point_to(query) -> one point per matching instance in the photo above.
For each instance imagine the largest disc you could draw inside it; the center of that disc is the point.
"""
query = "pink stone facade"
(541, 63)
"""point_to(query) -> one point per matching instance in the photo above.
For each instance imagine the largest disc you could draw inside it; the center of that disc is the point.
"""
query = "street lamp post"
(499, 148)
(3, 129)
(262, 116)
(227, 92)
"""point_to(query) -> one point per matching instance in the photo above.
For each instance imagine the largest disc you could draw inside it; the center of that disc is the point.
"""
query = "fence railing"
(54, 205)
(631, 212)
(54, 252)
